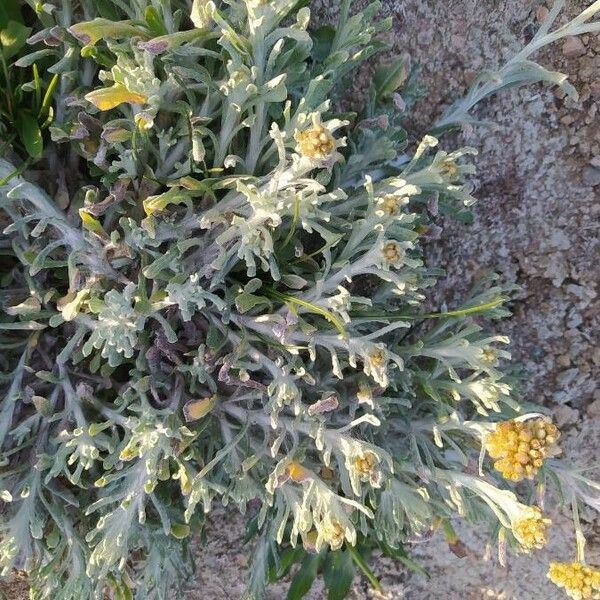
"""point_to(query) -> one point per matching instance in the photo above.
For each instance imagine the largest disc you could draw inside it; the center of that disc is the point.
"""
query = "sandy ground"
(536, 223)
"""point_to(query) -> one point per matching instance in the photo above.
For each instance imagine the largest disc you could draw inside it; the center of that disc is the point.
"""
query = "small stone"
(573, 47)
(593, 410)
(541, 14)
(565, 415)
(595, 162)
(591, 176)
(564, 360)
(558, 239)
(241, 560)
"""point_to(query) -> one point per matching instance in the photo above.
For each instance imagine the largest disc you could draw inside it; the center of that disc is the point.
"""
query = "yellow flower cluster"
(450, 169)
(316, 143)
(393, 253)
(530, 532)
(520, 447)
(365, 465)
(579, 581)
(334, 534)
(391, 204)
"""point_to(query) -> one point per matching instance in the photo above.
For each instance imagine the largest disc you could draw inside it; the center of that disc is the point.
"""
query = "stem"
(8, 86)
(364, 567)
(228, 123)
(311, 307)
(256, 132)
(579, 537)
(290, 234)
(439, 315)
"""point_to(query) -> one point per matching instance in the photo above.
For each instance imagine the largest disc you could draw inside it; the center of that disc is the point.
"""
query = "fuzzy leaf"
(90, 32)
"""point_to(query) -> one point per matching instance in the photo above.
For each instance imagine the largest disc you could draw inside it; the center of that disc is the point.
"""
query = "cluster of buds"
(316, 142)
(530, 531)
(391, 204)
(331, 532)
(489, 357)
(365, 466)
(520, 447)
(450, 169)
(393, 253)
(334, 534)
(579, 581)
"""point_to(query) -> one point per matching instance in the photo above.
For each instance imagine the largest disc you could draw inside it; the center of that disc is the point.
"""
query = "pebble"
(573, 47)
(591, 175)
(593, 410)
(565, 415)
(541, 14)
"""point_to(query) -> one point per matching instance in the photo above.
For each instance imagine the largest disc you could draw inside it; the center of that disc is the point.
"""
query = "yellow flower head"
(579, 581)
(365, 465)
(334, 534)
(378, 358)
(316, 142)
(391, 204)
(520, 447)
(530, 531)
(450, 169)
(393, 253)
(489, 357)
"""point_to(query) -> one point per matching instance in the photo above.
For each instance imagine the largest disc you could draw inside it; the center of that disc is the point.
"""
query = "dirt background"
(536, 223)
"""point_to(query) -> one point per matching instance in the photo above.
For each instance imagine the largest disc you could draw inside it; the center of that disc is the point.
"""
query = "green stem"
(48, 95)
(290, 234)
(438, 315)
(311, 307)
(364, 567)
(9, 91)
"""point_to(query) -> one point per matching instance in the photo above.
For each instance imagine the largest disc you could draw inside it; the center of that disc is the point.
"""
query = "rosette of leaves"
(214, 293)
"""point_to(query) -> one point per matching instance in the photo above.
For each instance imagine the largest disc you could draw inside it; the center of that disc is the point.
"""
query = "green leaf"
(90, 32)
(305, 577)
(180, 530)
(388, 78)
(288, 558)
(322, 40)
(13, 37)
(9, 11)
(338, 574)
(30, 135)
(154, 21)
(22, 325)
(245, 301)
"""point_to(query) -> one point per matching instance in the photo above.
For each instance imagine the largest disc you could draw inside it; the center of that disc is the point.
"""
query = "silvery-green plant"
(214, 293)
